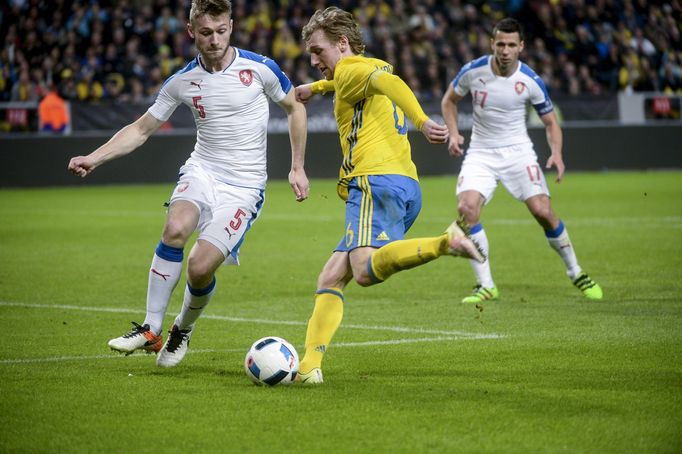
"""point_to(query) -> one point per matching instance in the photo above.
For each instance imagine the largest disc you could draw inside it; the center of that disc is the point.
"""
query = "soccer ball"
(271, 360)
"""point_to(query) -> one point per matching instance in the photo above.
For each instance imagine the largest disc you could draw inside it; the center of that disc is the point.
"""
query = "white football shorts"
(516, 166)
(226, 211)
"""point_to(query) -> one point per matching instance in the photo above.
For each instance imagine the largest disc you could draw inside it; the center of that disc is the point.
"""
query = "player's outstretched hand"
(299, 184)
(558, 162)
(455, 143)
(81, 166)
(304, 93)
(434, 132)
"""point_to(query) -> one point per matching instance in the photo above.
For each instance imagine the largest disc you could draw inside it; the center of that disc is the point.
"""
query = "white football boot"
(175, 348)
(140, 338)
(314, 377)
(460, 244)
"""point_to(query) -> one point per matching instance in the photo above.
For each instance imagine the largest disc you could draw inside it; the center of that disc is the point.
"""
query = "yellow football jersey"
(372, 129)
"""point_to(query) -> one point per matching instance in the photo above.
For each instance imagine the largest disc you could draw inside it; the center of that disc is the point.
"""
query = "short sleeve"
(539, 97)
(460, 83)
(166, 102)
(275, 83)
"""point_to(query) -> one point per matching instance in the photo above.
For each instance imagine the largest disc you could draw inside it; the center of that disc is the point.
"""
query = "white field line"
(113, 355)
(667, 221)
(262, 321)
(444, 335)
(626, 222)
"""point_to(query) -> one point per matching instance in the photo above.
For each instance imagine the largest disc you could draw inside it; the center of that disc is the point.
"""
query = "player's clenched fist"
(81, 166)
(303, 93)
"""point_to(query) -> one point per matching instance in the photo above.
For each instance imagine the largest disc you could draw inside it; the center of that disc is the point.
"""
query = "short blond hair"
(213, 8)
(335, 23)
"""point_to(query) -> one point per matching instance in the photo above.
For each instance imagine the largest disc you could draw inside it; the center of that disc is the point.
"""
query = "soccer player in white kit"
(220, 191)
(501, 150)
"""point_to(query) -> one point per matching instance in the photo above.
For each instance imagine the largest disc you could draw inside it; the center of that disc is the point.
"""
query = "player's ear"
(343, 43)
(189, 30)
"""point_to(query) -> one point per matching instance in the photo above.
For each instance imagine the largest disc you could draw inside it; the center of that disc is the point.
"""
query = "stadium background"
(613, 69)
(410, 370)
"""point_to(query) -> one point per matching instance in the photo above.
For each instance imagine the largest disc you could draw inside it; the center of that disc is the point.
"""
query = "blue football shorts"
(379, 209)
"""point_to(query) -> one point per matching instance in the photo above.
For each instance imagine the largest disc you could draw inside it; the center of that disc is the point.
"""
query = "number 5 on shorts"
(236, 222)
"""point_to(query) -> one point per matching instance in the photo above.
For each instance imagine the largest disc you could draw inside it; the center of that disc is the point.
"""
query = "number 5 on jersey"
(480, 97)
(199, 107)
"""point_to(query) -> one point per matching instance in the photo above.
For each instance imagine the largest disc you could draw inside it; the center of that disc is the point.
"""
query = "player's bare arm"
(450, 112)
(393, 87)
(555, 141)
(123, 142)
(434, 132)
(298, 130)
(304, 93)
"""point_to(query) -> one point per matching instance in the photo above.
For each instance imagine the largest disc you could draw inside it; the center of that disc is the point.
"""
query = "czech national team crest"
(519, 87)
(246, 77)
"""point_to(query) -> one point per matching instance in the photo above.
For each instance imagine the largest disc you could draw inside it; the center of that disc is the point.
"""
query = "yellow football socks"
(405, 254)
(322, 325)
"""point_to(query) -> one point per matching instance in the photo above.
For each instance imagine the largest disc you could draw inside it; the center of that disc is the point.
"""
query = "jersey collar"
(201, 62)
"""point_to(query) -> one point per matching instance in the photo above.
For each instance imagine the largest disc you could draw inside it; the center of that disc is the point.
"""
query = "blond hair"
(213, 8)
(335, 23)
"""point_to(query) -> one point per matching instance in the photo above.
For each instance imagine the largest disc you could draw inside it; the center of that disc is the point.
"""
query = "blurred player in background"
(501, 150)
(221, 187)
(378, 180)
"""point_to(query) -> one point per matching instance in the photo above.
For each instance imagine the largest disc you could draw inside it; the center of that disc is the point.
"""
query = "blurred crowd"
(124, 49)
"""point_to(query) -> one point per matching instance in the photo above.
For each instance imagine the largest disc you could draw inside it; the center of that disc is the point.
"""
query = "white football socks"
(482, 271)
(559, 241)
(193, 304)
(164, 275)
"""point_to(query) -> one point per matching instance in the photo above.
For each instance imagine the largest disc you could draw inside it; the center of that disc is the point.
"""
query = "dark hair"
(213, 8)
(509, 25)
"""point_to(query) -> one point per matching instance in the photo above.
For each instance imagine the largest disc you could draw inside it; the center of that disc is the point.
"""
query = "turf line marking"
(412, 341)
(662, 221)
(397, 329)
(58, 359)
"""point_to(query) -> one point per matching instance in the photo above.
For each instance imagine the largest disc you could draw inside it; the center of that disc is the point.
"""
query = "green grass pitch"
(410, 370)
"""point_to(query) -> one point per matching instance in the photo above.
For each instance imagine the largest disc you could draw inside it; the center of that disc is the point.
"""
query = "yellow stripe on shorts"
(366, 211)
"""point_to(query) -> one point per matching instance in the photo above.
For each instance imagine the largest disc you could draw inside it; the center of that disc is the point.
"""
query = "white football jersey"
(500, 102)
(231, 112)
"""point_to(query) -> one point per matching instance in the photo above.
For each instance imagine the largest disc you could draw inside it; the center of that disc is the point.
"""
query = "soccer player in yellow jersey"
(377, 180)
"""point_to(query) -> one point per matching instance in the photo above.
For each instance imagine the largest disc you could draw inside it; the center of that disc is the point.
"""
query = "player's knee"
(175, 234)
(364, 280)
(469, 210)
(326, 280)
(199, 272)
(361, 275)
(542, 213)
